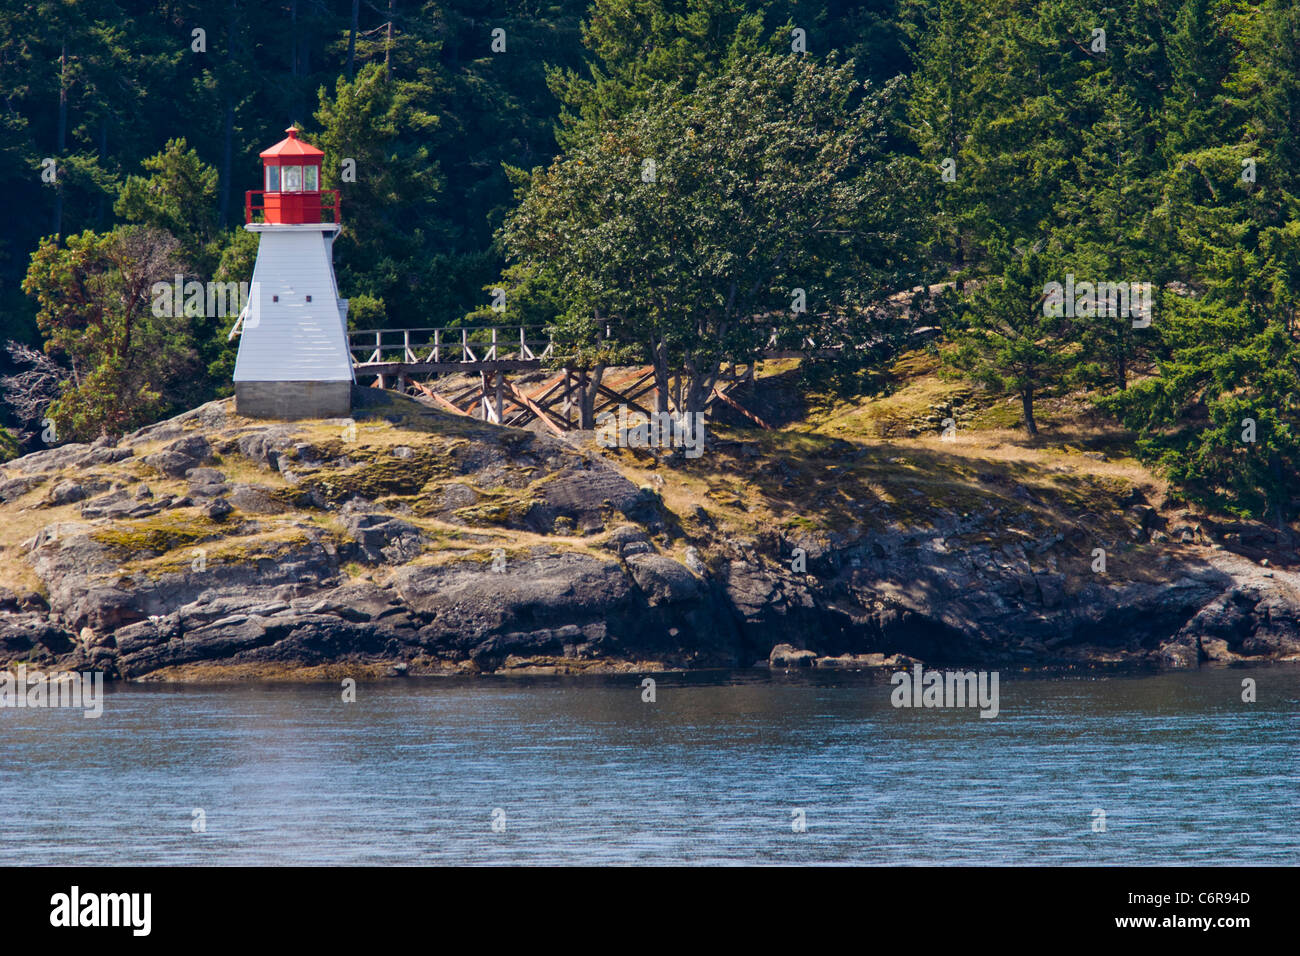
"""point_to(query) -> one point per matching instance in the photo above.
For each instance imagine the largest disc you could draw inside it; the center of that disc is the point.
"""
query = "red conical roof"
(291, 146)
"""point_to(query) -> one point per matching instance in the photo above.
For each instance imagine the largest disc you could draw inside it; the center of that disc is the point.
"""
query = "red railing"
(300, 202)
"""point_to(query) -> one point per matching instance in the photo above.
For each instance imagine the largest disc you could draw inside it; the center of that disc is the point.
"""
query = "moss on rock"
(387, 475)
(159, 534)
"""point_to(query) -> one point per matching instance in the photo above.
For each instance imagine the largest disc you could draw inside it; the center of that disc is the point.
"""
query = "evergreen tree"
(373, 122)
(95, 297)
(689, 224)
(1007, 341)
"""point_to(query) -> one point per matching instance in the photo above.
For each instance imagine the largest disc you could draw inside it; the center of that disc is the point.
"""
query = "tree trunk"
(659, 359)
(63, 97)
(227, 164)
(1278, 494)
(103, 159)
(228, 130)
(699, 383)
(1027, 403)
(388, 43)
(352, 37)
(62, 142)
(588, 389)
(584, 391)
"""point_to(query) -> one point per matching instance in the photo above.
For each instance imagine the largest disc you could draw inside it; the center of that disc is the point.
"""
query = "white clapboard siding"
(294, 340)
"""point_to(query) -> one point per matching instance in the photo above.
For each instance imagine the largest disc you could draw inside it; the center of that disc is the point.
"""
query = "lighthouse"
(293, 349)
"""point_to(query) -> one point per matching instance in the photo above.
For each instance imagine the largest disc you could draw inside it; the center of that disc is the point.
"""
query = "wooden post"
(437, 341)
(719, 393)
(500, 383)
(543, 414)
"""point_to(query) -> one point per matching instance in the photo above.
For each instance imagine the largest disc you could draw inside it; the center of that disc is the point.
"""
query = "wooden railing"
(486, 344)
(449, 346)
(315, 203)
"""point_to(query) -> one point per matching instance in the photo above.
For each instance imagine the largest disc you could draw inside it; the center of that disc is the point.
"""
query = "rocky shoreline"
(215, 547)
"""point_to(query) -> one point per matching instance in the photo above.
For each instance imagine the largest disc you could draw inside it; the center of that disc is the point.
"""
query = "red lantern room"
(291, 181)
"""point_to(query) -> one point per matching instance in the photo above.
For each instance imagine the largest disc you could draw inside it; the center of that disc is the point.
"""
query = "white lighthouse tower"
(293, 349)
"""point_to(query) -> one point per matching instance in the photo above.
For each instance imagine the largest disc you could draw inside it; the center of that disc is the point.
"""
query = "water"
(709, 774)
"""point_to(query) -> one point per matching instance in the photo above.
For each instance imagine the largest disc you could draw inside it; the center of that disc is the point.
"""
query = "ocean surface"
(582, 770)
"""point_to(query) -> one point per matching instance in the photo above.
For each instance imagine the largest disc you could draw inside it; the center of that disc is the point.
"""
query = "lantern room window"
(293, 184)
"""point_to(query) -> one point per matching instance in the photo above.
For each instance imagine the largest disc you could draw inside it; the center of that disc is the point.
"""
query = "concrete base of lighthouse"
(293, 400)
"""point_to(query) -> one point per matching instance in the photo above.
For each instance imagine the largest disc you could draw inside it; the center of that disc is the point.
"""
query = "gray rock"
(48, 460)
(663, 580)
(255, 499)
(357, 601)
(172, 462)
(1051, 589)
(210, 416)
(117, 504)
(31, 636)
(579, 493)
(219, 509)
(199, 477)
(383, 538)
(467, 602)
(14, 488)
(104, 456)
(104, 608)
(457, 495)
(209, 491)
(787, 655)
(628, 539)
(66, 492)
(267, 446)
(929, 589)
(154, 433)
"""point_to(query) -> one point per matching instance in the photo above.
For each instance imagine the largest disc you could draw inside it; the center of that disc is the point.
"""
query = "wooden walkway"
(399, 358)
(393, 357)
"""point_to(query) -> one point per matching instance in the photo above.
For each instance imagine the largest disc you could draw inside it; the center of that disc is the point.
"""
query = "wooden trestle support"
(488, 356)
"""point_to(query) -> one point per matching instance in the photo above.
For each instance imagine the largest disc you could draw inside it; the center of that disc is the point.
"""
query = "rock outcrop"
(441, 545)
